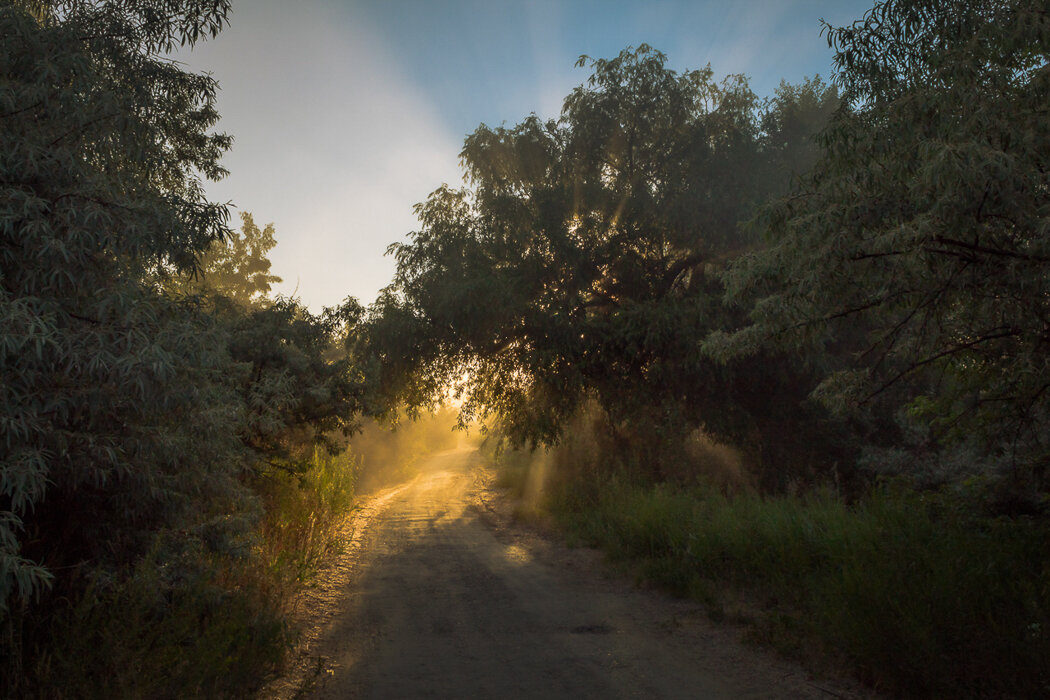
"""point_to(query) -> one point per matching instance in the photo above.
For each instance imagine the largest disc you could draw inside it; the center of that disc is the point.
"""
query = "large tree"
(922, 239)
(579, 261)
(114, 413)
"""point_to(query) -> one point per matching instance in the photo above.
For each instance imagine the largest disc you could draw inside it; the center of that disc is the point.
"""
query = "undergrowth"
(304, 515)
(917, 593)
(203, 615)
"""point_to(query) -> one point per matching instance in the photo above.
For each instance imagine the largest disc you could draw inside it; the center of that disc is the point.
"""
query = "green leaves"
(300, 384)
(919, 240)
(581, 260)
(106, 390)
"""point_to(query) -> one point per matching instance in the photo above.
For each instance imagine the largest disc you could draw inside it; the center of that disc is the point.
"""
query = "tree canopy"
(579, 261)
(925, 225)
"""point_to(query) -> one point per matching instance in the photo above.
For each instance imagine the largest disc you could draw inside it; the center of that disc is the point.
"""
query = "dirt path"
(441, 597)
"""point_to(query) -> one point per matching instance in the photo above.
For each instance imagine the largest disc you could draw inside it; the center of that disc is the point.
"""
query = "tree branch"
(937, 356)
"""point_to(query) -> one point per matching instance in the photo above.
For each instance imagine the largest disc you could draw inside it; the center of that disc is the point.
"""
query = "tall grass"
(304, 514)
(918, 596)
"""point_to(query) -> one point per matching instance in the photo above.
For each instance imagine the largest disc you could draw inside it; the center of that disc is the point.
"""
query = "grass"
(304, 514)
(918, 595)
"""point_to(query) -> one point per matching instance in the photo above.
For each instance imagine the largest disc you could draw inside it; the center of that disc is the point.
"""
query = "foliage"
(108, 391)
(213, 631)
(194, 617)
(304, 518)
(581, 261)
(920, 241)
(236, 267)
(299, 384)
(292, 369)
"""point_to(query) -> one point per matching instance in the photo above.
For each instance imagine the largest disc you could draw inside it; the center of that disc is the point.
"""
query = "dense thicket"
(100, 151)
(155, 401)
(922, 238)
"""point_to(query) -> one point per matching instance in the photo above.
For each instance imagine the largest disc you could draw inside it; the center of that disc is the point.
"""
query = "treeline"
(172, 452)
(794, 344)
(838, 290)
(818, 278)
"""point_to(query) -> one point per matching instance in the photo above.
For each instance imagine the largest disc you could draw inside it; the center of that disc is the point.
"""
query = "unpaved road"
(439, 599)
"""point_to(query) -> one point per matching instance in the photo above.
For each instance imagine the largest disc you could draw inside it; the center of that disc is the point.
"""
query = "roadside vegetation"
(787, 354)
(918, 592)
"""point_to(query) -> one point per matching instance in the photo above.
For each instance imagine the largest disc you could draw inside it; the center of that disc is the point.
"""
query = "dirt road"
(442, 601)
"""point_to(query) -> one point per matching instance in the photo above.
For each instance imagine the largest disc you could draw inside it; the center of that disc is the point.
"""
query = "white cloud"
(331, 144)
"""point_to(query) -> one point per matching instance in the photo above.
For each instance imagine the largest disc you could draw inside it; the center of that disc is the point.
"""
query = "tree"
(925, 226)
(581, 261)
(299, 382)
(293, 371)
(115, 417)
(237, 268)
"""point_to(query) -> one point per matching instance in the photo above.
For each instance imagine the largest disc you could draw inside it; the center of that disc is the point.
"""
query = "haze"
(346, 114)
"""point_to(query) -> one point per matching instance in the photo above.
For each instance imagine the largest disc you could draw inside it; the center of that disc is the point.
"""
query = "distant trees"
(583, 259)
(925, 226)
(236, 267)
(292, 369)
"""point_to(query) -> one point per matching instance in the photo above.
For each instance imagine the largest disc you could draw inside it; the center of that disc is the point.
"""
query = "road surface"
(439, 600)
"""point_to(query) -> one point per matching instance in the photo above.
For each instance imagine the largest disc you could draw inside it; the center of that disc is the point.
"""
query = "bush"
(202, 615)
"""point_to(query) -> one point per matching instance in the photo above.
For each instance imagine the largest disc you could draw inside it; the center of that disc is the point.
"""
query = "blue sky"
(346, 113)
